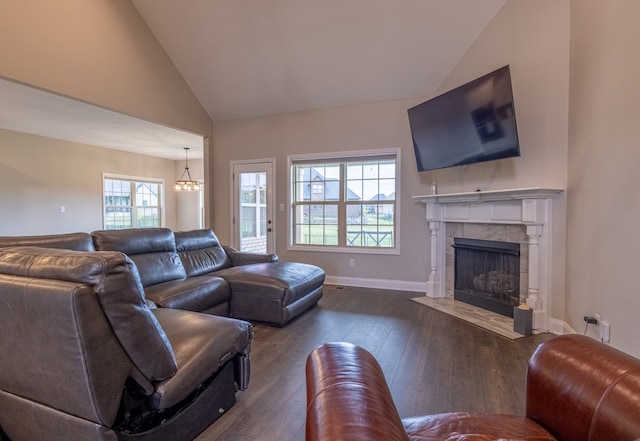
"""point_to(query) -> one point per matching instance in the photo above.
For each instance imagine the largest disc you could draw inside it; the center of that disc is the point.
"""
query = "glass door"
(252, 221)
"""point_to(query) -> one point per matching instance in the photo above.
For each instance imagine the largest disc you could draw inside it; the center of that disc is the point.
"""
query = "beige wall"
(372, 126)
(531, 36)
(38, 175)
(98, 51)
(603, 253)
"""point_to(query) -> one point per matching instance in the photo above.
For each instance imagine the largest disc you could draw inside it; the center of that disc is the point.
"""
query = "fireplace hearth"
(487, 274)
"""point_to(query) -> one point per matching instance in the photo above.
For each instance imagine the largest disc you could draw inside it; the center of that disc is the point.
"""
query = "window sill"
(350, 250)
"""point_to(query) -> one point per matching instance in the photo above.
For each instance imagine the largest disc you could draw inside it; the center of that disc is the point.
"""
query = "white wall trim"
(560, 327)
(362, 282)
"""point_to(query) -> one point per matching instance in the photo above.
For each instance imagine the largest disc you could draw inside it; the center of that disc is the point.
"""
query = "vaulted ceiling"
(247, 58)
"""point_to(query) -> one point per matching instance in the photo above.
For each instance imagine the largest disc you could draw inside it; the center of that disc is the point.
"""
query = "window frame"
(133, 180)
(342, 157)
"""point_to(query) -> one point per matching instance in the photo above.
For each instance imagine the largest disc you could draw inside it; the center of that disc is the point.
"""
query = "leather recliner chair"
(85, 357)
(577, 389)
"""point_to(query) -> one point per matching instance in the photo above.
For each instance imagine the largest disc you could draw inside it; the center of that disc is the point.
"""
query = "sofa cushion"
(463, 426)
(265, 291)
(201, 252)
(479, 437)
(273, 280)
(202, 344)
(153, 250)
(193, 294)
(115, 280)
(69, 241)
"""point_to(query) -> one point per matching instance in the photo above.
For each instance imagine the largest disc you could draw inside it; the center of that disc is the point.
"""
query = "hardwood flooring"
(433, 363)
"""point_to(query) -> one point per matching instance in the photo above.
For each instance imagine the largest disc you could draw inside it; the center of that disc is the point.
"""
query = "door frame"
(269, 166)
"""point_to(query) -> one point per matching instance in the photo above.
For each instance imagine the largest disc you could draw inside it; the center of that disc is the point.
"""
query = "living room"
(574, 83)
(575, 73)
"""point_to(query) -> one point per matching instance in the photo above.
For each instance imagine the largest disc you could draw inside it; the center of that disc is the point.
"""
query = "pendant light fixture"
(186, 183)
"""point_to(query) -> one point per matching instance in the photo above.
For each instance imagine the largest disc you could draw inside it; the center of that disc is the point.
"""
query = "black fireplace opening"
(487, 274)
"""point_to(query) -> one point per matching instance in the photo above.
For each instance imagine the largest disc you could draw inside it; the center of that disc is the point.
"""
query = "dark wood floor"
(432, 361)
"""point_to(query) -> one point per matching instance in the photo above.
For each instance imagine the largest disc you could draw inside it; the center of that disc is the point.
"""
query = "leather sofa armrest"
(239, 258)
(348, 397)
(579, 388)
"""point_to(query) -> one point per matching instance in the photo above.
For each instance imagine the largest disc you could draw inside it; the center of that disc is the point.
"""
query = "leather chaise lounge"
(84, 356)
(577, 389)
(262, 288)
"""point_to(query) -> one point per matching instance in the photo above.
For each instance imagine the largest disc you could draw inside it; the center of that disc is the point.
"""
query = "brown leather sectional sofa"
(103, 336)
(577, 389)
(191, 270)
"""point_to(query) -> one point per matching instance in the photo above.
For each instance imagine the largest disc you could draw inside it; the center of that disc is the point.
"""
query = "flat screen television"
(475, 122)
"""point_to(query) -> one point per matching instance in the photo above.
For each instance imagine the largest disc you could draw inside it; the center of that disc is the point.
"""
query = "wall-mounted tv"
(472, 123)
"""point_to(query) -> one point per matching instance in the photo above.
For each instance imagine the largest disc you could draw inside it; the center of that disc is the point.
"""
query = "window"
(345, 202)
(131, 203)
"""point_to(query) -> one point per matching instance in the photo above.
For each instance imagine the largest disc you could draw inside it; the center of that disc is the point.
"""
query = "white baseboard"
(560, 327)
(400, 285)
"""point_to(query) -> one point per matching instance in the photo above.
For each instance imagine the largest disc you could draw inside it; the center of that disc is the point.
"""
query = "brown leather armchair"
(577, 389)
(85, 357)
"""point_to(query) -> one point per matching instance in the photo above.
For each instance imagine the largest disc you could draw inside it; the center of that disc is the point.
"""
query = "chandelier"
(186, 183)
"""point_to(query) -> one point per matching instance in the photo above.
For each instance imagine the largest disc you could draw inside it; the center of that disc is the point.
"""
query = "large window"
(345, 202)
(131, 203)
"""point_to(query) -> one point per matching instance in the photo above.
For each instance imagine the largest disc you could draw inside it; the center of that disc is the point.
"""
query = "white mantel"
(530, 207)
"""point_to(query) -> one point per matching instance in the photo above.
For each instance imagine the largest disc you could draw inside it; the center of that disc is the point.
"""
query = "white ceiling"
(258, 57)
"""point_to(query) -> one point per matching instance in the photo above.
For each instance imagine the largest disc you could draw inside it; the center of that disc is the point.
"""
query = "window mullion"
(134, 205)
(342, 207)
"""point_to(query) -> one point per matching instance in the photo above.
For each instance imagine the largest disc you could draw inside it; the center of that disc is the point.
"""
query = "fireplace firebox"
(487, 274)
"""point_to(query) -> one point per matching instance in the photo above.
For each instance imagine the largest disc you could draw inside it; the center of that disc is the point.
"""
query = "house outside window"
(346, 202)
(131, 202)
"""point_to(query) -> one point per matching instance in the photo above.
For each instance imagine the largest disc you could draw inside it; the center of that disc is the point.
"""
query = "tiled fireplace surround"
(518, 215)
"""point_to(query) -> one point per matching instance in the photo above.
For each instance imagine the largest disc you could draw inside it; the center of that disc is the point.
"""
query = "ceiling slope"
(257, 57)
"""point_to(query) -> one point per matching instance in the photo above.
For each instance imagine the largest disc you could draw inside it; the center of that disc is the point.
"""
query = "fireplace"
(487, 274)
(530, 209)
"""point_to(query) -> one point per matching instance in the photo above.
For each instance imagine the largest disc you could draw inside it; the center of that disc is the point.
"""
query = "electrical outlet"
(605, 331)
(352, 263)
